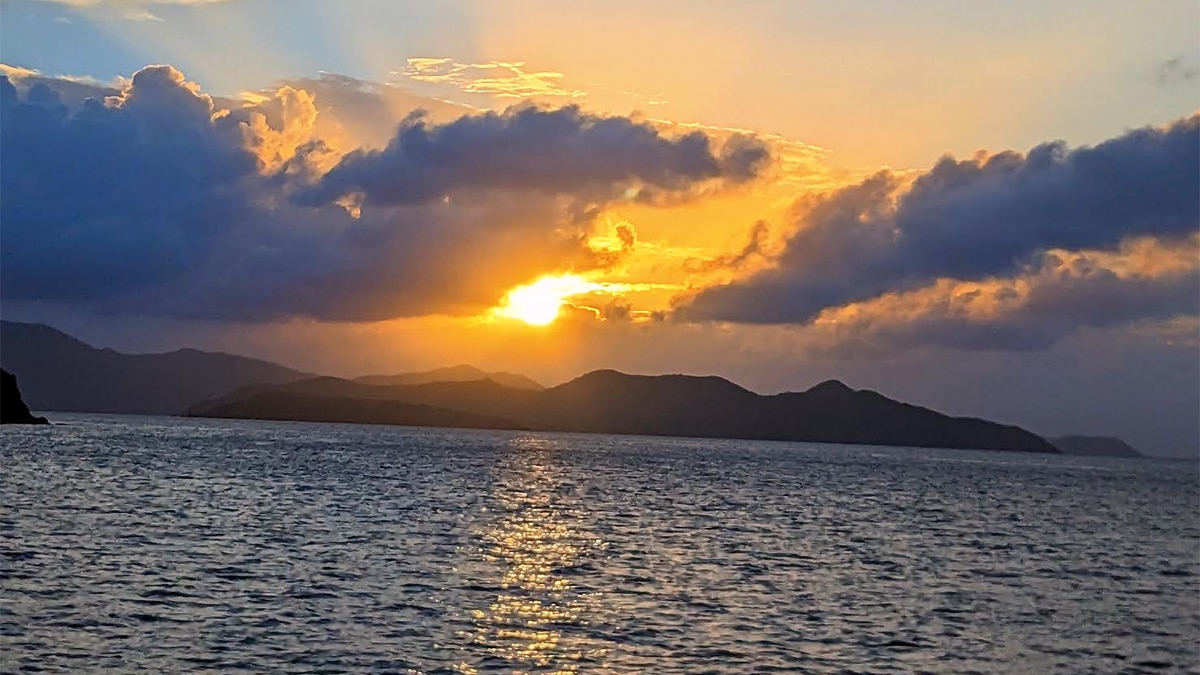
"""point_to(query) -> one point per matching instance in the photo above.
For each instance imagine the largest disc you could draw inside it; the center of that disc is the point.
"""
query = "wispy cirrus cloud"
(500, 83)
(503, 79)
(141, 14)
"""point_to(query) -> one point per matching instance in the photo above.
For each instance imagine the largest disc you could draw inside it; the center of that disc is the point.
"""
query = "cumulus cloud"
(73, 90)
(277, 127)
(533, 149)
(971, 220)
(1146, 280)
(158, 199)
(117, 194)
(354, 113)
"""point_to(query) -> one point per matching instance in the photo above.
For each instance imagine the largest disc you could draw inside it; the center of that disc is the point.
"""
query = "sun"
(538, 303)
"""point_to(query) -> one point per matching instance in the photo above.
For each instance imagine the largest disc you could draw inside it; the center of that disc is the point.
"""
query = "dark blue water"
(164, 545)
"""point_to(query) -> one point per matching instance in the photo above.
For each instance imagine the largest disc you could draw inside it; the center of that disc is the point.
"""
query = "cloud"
(970, 220)
(72, 90)
(627, 236)
(754, 250)
(497, 78)
(161, 200)
(142, 14)
(17, 72)
(116, 194)
(358, 113)
(277, 126)
(536, 150)
(1145, 281)
(1177, 70)
(493, 84)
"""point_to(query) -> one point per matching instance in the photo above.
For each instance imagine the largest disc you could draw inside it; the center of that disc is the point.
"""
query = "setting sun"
(538, 303)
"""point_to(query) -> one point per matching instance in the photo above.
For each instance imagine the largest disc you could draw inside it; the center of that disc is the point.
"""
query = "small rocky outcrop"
(12, 409)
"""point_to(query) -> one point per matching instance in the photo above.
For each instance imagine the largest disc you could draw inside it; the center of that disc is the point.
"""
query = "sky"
(992, 209)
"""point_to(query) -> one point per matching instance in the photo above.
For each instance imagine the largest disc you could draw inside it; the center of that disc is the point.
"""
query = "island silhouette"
(611, 402)
(60, 372)
(1095, 446)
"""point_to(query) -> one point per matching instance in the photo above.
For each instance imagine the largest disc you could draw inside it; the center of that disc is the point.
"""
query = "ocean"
(166, 545)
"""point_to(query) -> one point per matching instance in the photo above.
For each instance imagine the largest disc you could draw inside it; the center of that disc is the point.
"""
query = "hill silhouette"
(607, 401)
(459, 373)
(304, 408)
(59, 372)
(1094, 446)
(12, 408)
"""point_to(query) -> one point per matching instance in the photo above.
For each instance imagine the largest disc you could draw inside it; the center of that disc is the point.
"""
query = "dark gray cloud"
(70, 92)
(971, 220)
(160, 200)
(532, 149)
(115, 195)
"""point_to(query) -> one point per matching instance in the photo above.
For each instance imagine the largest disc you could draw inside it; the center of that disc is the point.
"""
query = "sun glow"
(538, 303)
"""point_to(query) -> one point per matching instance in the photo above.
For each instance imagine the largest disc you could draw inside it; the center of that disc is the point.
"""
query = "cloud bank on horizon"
(335, 200)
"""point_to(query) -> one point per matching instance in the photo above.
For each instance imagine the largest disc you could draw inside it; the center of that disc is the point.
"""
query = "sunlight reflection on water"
(167, 545)
(537, 542)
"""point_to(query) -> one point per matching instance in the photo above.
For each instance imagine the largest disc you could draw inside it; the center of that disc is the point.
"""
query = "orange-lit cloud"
(497, 84)
(275, 128)
(970, 220)
(16, 73)
(1145, 280)
(497, 78)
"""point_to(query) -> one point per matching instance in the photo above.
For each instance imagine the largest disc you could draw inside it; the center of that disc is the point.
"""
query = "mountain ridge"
(457, 373)
(60, 372)
(608, 401)
(1094, 446)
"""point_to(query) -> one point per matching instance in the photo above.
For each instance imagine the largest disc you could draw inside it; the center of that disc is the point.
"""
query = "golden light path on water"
(536, 543)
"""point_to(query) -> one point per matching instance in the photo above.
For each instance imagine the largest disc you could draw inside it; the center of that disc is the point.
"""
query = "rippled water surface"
(169, 545)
